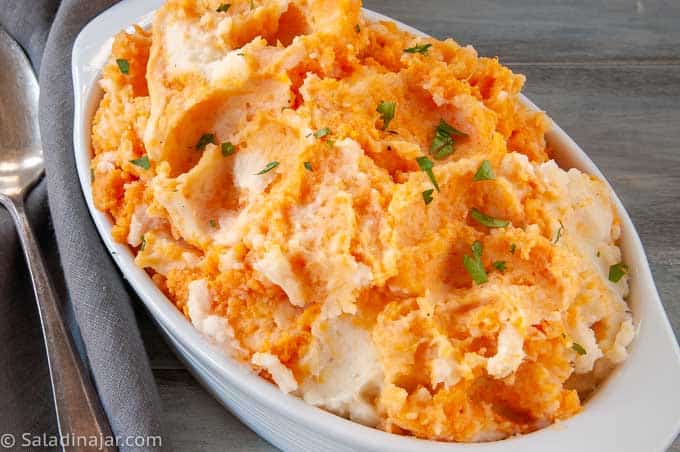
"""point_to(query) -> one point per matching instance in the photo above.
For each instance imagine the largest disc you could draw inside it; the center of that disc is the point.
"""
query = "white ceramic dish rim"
(650, 419)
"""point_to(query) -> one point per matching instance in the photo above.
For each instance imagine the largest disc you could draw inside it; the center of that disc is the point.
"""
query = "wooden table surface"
(607, 71)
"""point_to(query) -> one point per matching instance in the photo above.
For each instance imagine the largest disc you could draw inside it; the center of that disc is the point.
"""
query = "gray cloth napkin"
(96, 301)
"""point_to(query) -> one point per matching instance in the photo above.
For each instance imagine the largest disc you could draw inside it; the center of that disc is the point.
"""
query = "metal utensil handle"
(76, 403)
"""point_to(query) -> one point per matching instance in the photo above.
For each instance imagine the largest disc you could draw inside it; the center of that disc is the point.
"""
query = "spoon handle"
(77, 406)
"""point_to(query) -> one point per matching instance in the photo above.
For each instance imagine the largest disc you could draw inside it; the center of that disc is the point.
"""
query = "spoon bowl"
(21, 157)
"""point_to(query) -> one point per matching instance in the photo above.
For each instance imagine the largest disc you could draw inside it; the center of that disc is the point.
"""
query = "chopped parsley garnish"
(142, 162)
(559, 233)
(578, 348)
(322, 132)
(205, 139)
(448, 129)
(386, 110)
(485, 220)
(474, 264)
(485, 172)
(330, 143)
(477, 248)
(143, 244)
(223, 8)
(426, 165)
(442, 143)
(228, 148)
(418, 48)
(427, 196)
(513, 247)
(357, 28)
(617, 271)
(270, 166)
(213, 224)
(123, 66)
(308, 166)
(442, 146)
(500, 266)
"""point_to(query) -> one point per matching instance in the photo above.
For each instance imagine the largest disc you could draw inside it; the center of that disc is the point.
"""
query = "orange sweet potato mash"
(369, 219)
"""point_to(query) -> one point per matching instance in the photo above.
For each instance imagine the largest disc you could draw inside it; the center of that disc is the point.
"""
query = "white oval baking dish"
(636, 409)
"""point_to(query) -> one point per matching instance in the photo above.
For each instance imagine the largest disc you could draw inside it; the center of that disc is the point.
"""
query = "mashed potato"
(369, 219)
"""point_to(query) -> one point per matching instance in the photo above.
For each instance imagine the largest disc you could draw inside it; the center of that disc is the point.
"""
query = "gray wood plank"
(194, 421)
(552, 30)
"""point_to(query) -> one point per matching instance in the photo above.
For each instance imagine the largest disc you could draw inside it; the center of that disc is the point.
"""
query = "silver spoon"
(21, 166)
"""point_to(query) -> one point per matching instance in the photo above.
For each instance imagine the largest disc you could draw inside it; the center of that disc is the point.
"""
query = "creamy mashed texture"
(369, 219)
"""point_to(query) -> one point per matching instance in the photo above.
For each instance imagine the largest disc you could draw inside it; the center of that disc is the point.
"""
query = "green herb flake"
(558, 236)
(123, 66)
(443, 143)
(143, 244)
(442, 146)
(513, 247)
(142, 162)
(500, 266)
(330, 143)
(485, 172)
(357, 28)
(270, 166)
(418, 48)
(486, 220)
(473, 264)
(426, 165)
(308, 166)
(386, 110)
(578, 348)
(427, 196)
(617, 271)
(322, 132)
(223, 8)
(448, 129)
(92, 174)
(477, 249)
(205, 139)
(213, 224)
(228, 148)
